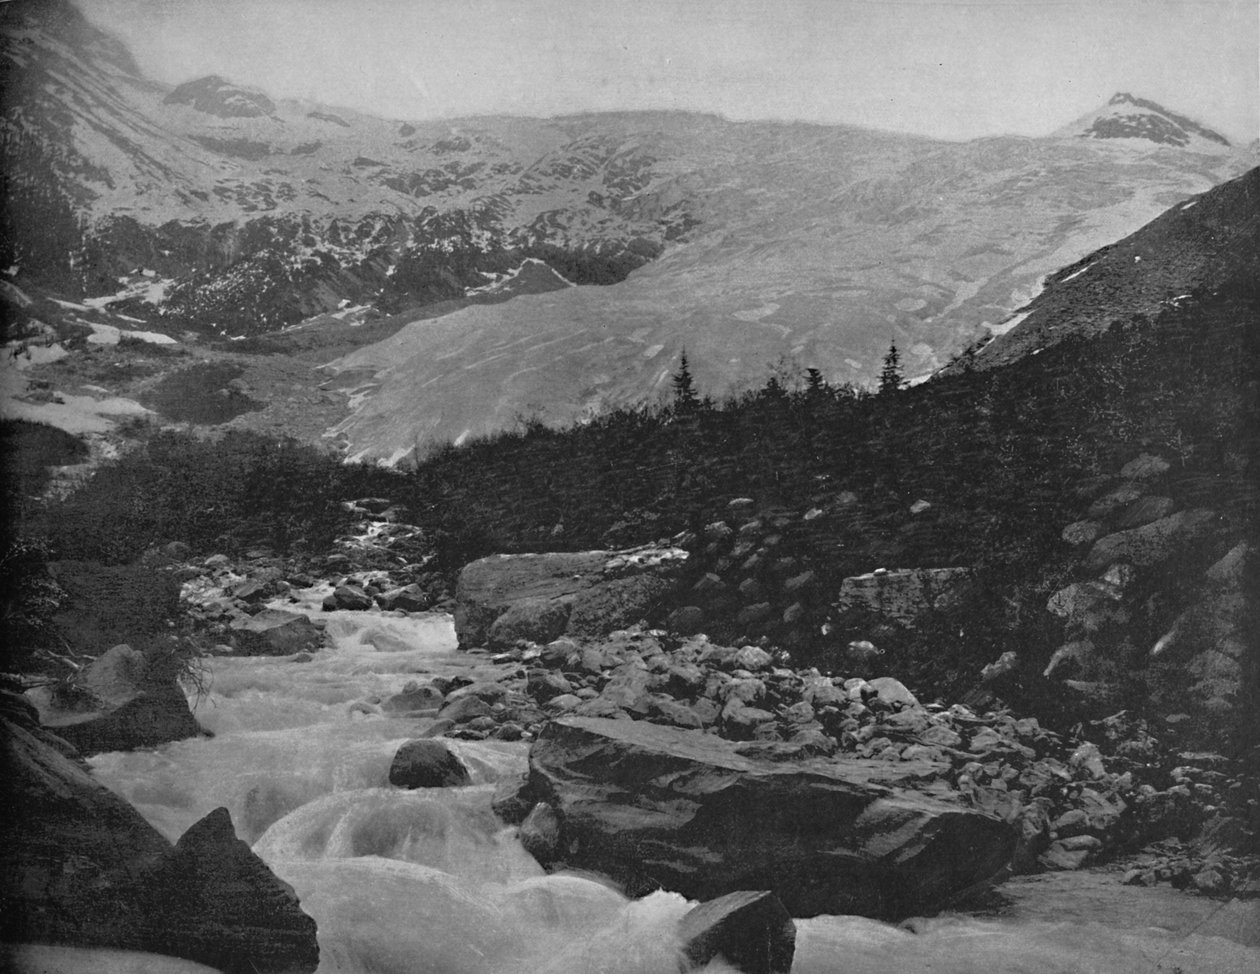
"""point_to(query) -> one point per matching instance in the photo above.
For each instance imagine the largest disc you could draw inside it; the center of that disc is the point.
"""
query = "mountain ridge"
(750, 243)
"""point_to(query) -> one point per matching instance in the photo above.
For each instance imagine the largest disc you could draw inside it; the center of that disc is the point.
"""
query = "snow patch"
(111, 335)
(23, 356)
(1078, 273)
(1008, 324)
(148, 289)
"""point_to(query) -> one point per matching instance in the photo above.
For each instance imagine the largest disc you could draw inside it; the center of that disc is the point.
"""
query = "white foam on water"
(430, 880)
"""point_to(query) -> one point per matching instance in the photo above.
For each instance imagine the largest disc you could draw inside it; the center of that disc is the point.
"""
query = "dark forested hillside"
(1004, 459)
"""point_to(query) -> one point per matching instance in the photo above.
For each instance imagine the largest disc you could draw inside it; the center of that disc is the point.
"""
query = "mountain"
(936, 253)
(1128, 117)
(216, 208)
(1198, 245)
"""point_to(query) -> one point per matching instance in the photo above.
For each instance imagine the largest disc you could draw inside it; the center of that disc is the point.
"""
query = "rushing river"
(430, 882)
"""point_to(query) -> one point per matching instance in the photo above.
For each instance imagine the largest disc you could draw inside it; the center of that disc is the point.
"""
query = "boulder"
(750, 930)
(427, 764)
(906, 595)
(1200, 664)
(686, 620)
(1081, 532)
(1114, 500)
(596, 592)
(414, 700)
(893, 692)
(464, 709)
(216, 902)
(253, 590)
(658, 806)
(1153, 543)
(1145, 466)
(1086, 607)
(351, 597)
(79, 866)
(1144, 510)
(616, 604)
(535, 620)
(753, 615)
(118, 702)
(276, 632)
(540, 832)
(409, 598)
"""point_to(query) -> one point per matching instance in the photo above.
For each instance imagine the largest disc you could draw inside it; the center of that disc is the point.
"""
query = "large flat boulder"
(120, 701)
(656, 806)
(79, 866)
(538, 597)
(906, 595)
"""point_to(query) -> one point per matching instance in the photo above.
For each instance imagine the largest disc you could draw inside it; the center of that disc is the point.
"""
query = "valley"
(634, 541)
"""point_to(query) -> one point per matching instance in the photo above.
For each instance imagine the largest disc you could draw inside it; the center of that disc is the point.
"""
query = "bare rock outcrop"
(539, 597)
(80, 866)
(657, 806)
(905, 595)
(120, 701)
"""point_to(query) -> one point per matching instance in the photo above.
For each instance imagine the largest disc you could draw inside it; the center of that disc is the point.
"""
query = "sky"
(945, 68)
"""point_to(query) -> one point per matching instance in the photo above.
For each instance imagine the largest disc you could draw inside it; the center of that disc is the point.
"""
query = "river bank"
(432, 880)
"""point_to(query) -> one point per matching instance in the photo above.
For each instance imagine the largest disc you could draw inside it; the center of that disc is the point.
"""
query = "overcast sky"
(949, 68)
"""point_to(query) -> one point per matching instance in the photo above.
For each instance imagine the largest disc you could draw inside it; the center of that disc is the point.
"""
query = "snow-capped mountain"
(1128, 117)
(745, 243)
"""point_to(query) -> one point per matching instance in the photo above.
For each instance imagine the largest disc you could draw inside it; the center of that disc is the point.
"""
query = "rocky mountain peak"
(1127, 116)
(214, 95)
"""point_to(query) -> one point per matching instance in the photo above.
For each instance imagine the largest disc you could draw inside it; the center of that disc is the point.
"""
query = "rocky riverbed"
(550, 805)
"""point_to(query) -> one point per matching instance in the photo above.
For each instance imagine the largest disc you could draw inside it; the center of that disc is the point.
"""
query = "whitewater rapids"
(401, 882)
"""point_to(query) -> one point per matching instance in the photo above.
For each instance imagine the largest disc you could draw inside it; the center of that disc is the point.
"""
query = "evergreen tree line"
(999, 454)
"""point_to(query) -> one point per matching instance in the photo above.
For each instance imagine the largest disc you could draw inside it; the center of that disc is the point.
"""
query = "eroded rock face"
(80, 866)
(539, 597)
(118, 702)
(659, 806)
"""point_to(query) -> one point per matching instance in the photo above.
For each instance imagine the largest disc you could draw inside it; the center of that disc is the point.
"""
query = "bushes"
(29, 598)
(104, 605)
(228, 494)
(29, 450)
(201, 393)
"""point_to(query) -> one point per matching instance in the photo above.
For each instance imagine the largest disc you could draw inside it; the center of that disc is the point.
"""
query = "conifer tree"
(890, 378)
(685, 398)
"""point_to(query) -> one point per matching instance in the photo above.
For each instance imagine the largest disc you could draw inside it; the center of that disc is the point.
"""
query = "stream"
(431, 881)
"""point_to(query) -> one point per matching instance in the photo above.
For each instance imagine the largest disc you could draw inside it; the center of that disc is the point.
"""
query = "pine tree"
(890, 379)
(685, 398)
(815, 384)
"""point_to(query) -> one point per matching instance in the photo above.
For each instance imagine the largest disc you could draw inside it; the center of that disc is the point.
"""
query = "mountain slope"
(927, 255)
(746, 243)
(1126, 116)
(1196, 245)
